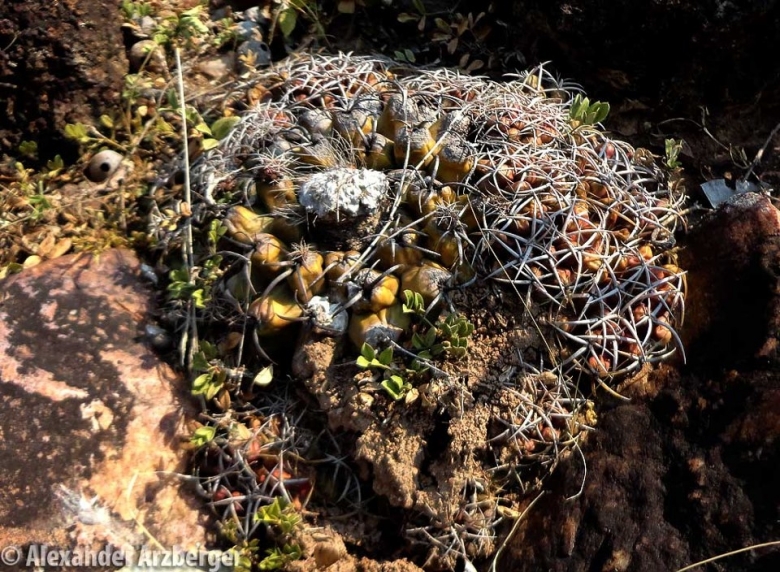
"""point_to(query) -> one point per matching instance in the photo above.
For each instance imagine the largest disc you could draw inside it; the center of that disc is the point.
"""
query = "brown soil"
(704, 485)
(428, 456)
(60, 62)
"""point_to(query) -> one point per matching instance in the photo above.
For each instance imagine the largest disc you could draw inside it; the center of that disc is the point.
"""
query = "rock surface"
(688, 469)
(60, 62)
(733, 301)
(678, 54)
(91, 418)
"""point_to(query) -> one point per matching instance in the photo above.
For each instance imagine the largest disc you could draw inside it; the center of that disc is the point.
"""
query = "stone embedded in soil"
(733, 298)
(88, 411)
(218, 68)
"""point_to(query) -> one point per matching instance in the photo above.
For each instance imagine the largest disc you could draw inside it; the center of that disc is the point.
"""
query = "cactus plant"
(358, 178)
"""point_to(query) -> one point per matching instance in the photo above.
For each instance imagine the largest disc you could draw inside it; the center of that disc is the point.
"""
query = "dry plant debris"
(447, 257)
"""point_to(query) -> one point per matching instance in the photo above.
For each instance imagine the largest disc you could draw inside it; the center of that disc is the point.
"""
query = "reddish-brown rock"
(89, 413)
(733, 299)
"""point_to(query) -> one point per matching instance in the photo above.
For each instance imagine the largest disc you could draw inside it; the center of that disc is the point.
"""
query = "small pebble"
(218, 68)
(248, 31)
(260, 50)
(149, 55)
(149, 274)
(102, 166)
(146, 24)
(254, 14)
(159, 338)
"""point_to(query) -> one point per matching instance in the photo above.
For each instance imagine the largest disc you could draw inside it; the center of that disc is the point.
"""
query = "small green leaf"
(362, 362)
(394, 386)
(672, 150)
(583, 112)
(173, 98)
(28, 148)
(583, 106)
(190, 19)
(200, 383)
(222, 126)
(161, 38)
(278, 558)
(430, 337)
(216, 385)
(203, 435)
(442, 25)
(76, 132)
(418, 365)
(216, 231)
(11, 268)
(203, 128)
(408, 305)
(208, 143)
(419, 6)
(367, 352)
(405, 17)
(209, 350)
(55, 164)
(287, 20)
(576, 106)
(386, 356)
(199, 298)
(199, 362)
(212, 264)
(163, 126)
(269, 514)
(180, 275)
(601, 111)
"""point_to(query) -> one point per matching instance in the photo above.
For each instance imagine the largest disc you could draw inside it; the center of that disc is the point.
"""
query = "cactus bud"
(244, 225)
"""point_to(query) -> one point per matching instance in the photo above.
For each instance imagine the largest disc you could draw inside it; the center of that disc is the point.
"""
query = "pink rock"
(91, 419)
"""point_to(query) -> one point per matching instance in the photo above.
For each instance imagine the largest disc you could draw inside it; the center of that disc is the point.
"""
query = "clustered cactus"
(352, 180)
(439, 180)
